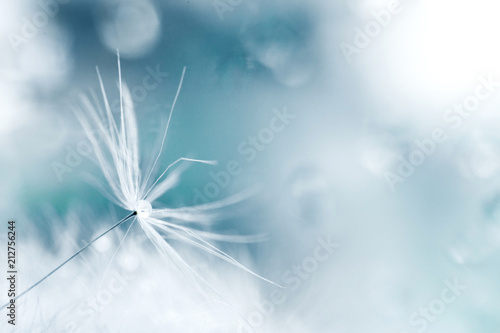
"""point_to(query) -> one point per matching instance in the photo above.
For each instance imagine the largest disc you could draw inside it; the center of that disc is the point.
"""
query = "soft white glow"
(133, 27)
(103, 244)
(459, 40)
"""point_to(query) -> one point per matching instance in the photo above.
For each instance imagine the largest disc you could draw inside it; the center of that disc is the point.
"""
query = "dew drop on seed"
(143, 208)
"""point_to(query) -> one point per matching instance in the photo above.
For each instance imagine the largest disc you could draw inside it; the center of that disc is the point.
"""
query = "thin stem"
(70, 258)
(116, 251)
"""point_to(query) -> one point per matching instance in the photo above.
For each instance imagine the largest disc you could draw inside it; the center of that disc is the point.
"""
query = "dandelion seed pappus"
(136, 189)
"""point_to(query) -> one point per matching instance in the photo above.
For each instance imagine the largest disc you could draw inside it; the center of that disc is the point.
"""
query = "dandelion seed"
(118, 160)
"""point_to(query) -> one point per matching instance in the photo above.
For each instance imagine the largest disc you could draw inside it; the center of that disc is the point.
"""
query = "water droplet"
(143, 208)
